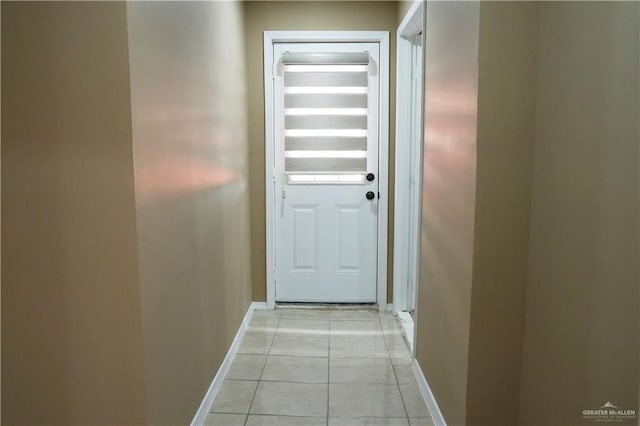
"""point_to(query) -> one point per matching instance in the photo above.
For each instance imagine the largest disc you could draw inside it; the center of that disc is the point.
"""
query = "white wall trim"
(269, 135)
(412, 22)
(407, 325)
(383, 167)
(207, 401)
(427, 395)
(259, 306)
(411, 25)
(381, 37)
(400, 241)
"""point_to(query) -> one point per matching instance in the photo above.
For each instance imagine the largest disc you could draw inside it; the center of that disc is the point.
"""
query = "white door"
(326, 171)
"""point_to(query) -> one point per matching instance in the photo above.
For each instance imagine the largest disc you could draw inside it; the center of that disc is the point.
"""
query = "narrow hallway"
(312, 367)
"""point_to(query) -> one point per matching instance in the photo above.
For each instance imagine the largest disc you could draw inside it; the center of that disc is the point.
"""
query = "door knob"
(370, 195)
(370, 177)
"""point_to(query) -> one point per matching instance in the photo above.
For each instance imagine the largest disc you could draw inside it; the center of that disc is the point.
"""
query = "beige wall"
(261, 16)
(190, 155)
(71, 324)
(581, 335)
(448, 194)
(403, 8)
(554, 223)
(506, 121)
(127, 269)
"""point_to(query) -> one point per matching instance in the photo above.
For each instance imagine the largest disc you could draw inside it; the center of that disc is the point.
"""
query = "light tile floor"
(324, 367)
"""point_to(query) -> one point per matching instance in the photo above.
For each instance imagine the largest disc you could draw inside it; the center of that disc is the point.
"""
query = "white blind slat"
(325, 122)
(325, 100)
(334, 165)
(324, 144)
(325, 79)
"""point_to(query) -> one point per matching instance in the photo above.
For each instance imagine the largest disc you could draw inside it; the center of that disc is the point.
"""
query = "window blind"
(325, 113)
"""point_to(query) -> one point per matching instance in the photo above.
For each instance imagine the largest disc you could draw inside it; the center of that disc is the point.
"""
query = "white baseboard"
(406, 324)
(427, 395)
(259, 306)
(206, 403)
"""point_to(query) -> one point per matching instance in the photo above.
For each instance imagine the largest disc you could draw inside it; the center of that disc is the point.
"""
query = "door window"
(326, 117)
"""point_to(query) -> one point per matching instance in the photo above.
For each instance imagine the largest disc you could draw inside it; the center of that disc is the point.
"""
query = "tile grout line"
(394, 373)
(246, 419)
(279, 322)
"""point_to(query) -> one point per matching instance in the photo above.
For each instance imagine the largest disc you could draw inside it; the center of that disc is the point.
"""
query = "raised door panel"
(349, 238)
(303, 238)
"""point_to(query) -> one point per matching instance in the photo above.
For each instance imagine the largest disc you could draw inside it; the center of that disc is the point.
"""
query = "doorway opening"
(326, 122)
(409, 99)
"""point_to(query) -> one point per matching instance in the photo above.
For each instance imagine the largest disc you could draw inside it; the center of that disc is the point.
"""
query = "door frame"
(381, 37)
(411, 26)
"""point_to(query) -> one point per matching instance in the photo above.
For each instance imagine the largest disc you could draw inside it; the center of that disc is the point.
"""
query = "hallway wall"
(261, 16)
(126, 251)
(448, 201)
(72, 348)
(553, 230)
(581, 328)
(188, 102)
(508, 40)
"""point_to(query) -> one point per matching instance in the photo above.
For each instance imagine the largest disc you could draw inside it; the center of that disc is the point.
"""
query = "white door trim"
(381, 37)
(411, 26)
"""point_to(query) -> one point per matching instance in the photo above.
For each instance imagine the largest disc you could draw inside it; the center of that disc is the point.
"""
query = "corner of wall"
(448, 213)
(506, 123)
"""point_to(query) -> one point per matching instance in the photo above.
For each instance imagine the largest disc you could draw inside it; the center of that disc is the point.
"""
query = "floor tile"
(256, 342)
(261, 420)
(358, 400)
(296, 369)
(303, 327)
(290, 399)
(266, 324)
(234, 396)
(361, 370)
(216, 419)
(358, 347)
(318, 314)
(266, 313)
(404, 374)
(246, 367)
(391, 327)
(388, 318)
(413, 401)
(292, 352)
(295, 345)
(338, 315)
(368, 421)
(397, 347)
(354, 327)
(402, 361)
(392, 333)
(421, 421)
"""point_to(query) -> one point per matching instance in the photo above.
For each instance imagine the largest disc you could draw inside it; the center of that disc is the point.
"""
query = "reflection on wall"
(448, 196)
(190, 150)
